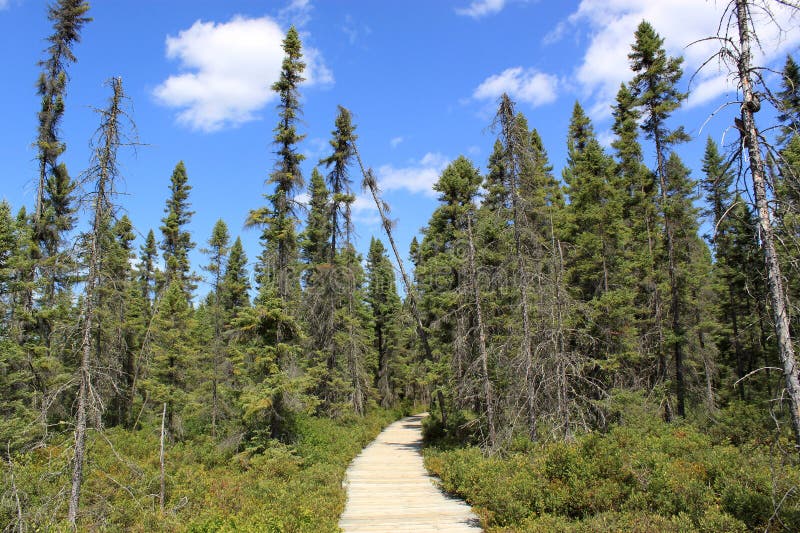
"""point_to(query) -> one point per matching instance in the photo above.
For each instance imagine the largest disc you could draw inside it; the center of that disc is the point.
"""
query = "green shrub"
(648, 476)
(279, 487)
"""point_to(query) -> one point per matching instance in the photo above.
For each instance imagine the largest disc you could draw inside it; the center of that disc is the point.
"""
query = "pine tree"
(598, 238)
(236, 281)
(177, 242)
(315, 240)
(641, 215)
(277, 262)
(339, 182)
(655, 88)
(382, 297)
(105, 171)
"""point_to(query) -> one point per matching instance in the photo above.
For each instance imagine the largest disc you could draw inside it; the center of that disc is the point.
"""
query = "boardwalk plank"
(389, 490)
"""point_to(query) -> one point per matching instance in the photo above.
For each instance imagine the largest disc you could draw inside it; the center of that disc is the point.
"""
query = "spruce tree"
(598, 235)
(277, 264)
(382, 297)
(236, 281)
(643, 220)
(789, 101)
(315, 241)
(339, 181)
(655, 87)
(68, 17)
(148, 257)
(217, 252)
(177, 242)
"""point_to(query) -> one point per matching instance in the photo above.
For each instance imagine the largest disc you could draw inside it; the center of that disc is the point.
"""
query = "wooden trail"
(388, 488)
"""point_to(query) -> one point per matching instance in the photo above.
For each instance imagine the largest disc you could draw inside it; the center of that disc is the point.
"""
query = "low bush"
(639, 476)
(210, 487)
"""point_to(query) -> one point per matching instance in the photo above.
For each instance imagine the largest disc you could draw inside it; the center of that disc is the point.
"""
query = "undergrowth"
(262, 487)
(725, 475)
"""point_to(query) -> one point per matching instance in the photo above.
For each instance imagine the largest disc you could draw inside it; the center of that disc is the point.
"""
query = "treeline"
(96, 333)
(535, 299)
(545, 296)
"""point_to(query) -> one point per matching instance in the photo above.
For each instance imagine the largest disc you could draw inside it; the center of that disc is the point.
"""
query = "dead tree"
(516, 155)
(371, 183)
(104, 170)
(484, 355)
(736, 41)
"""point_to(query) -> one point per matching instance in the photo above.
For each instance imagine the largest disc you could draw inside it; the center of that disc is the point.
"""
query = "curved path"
(388, 488)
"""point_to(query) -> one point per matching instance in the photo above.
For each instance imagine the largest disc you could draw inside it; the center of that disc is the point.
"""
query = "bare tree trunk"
(673, 288)
(162, 490)
(14, 492)
(476, 297)
(106, 171)
(778, 296)
(513, 153)
(371, 183)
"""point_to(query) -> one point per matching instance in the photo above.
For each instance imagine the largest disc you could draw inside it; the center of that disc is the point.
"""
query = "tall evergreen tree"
(236, 281)
(68, 17)
(598, 238)
(339, 181)
(315, 240)
(382, 297)
(640, 211)
(655, 87)
(789, 101)
(217, 252)
(148, 258)
(177, 242)
(277, 264)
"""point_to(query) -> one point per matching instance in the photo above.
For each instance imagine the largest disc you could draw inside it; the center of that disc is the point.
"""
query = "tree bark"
(162, 487)
(476, 300)
(372, 185)
(106, 169)
(777, 294)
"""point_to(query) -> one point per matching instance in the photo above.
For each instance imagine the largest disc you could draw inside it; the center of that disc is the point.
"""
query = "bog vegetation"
(591, 358)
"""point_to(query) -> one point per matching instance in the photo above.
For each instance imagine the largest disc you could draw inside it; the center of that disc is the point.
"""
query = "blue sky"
(421, 78)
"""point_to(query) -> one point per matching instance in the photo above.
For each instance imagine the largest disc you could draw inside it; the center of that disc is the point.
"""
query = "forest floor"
(388, 488)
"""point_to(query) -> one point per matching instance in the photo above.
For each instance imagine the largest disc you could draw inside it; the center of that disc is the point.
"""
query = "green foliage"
(642, 475)
(177, 242)
(210, 486)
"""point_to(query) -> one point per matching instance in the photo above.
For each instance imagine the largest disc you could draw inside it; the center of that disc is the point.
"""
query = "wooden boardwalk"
(388, 488)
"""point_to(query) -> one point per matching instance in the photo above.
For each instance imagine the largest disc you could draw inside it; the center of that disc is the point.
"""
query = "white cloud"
(612, 23)
(481, 8)
(4, 4)
(302, 198)
(297, 12)
(354, 30)
(525, 85)
(418, 177)
(395, 142)
(227, 70)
